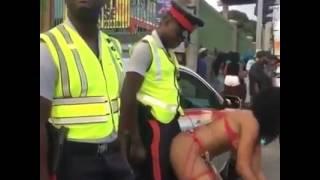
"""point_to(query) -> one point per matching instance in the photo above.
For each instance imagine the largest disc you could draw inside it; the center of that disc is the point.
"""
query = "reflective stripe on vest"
(160, 89)
(76, 56)
(63, 66)
(96, 110)
(85, 101)
(145, 99)
(156, 57)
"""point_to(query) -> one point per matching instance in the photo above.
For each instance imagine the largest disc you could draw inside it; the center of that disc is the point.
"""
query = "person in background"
(249, 61)
(270, 66)
(258, 77)
(233, 83)
(210, 60)
(275, 71)
(202, 63)
(218, 71)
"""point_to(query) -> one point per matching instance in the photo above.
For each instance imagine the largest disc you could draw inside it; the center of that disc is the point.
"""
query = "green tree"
(244, 23)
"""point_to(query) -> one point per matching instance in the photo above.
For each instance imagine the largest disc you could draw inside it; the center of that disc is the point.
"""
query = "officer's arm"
(256, 165)
(247, 143)
(45, 108)
(48, 74)
(129, 109)
(137, 66)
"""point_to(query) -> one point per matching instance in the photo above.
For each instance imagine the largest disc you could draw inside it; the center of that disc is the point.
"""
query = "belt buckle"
(102, 148)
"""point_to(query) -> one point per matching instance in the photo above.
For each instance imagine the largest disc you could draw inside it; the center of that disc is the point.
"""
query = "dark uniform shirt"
(258, 79)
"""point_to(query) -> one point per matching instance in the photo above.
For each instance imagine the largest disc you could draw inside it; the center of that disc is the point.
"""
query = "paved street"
(271, 160)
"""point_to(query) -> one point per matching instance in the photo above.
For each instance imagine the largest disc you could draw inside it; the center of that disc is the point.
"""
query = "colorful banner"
(116, 14)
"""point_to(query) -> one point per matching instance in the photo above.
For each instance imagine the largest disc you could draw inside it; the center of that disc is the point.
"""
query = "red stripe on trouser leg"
(155, 145)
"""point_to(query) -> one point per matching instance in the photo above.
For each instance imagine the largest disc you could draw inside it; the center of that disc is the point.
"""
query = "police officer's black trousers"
(157, 138)
(85, 161)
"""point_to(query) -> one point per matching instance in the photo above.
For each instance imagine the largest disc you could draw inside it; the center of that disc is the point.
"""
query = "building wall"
(217, 32)
(220, 33)
(244, 44)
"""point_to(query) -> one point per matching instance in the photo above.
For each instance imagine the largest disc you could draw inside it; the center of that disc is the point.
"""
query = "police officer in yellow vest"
(150, 98)
(80, 81)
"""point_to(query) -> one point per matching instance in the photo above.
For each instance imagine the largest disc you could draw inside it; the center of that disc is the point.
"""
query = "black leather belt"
(89, 148)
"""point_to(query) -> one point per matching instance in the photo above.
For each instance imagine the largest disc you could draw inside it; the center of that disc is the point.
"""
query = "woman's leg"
(186, 160)
(202, 171)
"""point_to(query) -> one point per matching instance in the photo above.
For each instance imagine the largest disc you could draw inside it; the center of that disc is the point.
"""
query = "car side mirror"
(233, 102)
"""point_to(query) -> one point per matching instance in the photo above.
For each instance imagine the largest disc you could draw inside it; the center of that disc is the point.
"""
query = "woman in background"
(218, 70)
(234, 78)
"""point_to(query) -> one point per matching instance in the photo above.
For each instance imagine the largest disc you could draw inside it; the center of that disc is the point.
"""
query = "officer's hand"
(137, 153)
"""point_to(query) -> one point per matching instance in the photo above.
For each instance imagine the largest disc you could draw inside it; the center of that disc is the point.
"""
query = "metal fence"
(116, 16)
(129, 16)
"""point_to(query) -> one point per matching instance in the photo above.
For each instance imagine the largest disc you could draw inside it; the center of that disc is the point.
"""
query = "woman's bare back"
(221, 135)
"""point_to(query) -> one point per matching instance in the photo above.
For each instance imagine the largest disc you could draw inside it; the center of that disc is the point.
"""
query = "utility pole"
(267, 34)
(259, 25)
(192, 49)
(225, 9)
(234, 24)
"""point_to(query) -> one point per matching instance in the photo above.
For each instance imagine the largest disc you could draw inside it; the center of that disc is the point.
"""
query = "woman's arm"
(248, 138)
(256, 164)
(225, 71)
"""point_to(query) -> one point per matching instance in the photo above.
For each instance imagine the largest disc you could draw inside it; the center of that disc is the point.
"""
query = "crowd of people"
(243, 77)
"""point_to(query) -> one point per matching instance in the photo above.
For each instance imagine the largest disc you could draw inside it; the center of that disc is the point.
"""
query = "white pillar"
(225, 9)
(234, 34)
(65, 11)
(267, 36)
(259, 25)
(192, 50)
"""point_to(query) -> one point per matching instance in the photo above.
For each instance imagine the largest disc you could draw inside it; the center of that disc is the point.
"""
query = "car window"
(195, 94)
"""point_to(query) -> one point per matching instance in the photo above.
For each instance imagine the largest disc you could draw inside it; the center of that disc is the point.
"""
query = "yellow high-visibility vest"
(86, 98)
(160, 89)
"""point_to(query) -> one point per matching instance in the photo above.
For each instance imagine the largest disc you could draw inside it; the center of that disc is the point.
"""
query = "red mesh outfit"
(197, 148)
